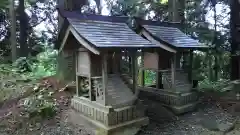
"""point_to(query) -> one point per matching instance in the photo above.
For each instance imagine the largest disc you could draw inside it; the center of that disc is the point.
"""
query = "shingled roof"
(105, 31)
(170, 34)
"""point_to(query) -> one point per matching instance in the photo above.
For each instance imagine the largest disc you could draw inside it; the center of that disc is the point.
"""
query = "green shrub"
(150, 77)
(207, 85)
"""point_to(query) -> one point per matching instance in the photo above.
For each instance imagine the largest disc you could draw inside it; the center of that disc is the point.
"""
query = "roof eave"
(156, 40)
(171, 45)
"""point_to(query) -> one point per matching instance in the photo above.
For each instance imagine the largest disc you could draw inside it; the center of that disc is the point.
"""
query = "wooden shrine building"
(92, 50)
(95, 44)
(174, 83)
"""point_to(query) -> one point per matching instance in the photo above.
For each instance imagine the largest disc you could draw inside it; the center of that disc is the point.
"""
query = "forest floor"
(209, 119)
(18, 119)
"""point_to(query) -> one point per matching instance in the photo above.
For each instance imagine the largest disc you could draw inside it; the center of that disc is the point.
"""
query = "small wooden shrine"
(173, 86)
(96, 44)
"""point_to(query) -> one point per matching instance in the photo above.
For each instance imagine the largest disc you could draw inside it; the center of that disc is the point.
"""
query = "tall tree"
(23, 29)
(13, 30)
(234, 26)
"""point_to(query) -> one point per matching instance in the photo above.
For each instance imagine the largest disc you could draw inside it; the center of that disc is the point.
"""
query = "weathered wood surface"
(104, 114)
(118, 94)
(83, 63)
(181, 81)
(172, 36)
(103, 34)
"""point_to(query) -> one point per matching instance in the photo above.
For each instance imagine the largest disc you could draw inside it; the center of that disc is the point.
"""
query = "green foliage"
(22, 65)
(45, 64)
(150, 77)
(207, 85)
(3, 3)
(12, 83)
(41, 103)
(163, 1)
(18, 77)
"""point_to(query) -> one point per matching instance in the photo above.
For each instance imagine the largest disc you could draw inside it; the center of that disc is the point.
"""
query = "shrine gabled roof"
(170, 34)
(105, 31)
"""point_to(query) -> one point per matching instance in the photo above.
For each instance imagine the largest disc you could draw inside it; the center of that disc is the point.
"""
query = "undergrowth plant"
(41, 103)
(218, 86)
(23, 72)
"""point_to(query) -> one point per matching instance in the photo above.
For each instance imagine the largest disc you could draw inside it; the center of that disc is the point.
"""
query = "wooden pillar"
(178, 60)
(90, 78)
(116, 63)
(104, 78)
(77, 81)
(184, 55)
(134, 72)
(130, 63)
(173, 69)
(159, 74)
(190, 66)
(142, 70)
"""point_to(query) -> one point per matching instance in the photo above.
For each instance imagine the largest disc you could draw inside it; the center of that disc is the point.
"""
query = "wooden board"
(151, 60)
(83, 63)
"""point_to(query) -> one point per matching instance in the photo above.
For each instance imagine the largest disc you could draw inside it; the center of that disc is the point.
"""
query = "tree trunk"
(13, 30)
(23, 29)
(234, 24)
(99, 6)
(216, 64)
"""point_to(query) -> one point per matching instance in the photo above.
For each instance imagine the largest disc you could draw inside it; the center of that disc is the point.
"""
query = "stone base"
(178, 102)
(108, 120)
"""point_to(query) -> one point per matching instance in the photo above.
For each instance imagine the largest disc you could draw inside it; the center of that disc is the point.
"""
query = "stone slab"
(167, 97)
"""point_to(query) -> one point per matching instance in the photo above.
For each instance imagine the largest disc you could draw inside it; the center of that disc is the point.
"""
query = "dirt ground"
(191, 123)
(210, 118)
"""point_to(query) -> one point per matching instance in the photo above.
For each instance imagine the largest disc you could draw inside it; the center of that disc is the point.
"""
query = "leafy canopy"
(163, 1)
(3, 3)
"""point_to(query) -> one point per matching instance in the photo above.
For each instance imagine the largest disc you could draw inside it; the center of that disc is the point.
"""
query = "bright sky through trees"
(209, 16)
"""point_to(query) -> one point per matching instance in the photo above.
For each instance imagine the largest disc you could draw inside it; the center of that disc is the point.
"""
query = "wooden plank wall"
(111, 118)
(66, 65)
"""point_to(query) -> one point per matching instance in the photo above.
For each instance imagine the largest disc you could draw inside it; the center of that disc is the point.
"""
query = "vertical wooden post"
(104, 78)
(77, 81)
(190, 66)
(178, 60)
(116, 62)
(130, 63)
(134, 72)
(142, 70)
(159, 74)
(184, 63)
(90, 78)
(173, 68)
